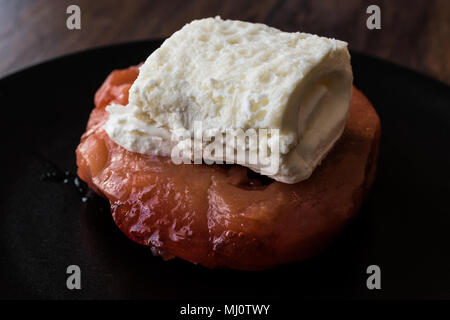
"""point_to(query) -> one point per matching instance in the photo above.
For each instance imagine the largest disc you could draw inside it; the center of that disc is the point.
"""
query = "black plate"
(404, 227)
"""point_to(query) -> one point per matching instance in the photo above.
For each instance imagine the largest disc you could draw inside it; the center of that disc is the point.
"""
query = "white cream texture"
(234, 74)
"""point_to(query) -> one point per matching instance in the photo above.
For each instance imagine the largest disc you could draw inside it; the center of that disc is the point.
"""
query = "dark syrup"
(56, 175)
(256, 179)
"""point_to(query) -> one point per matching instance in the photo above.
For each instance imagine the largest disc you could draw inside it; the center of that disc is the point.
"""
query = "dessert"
(233, 74)
(233, 215)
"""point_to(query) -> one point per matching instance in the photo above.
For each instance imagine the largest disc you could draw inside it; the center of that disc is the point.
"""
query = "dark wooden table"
(415, 34)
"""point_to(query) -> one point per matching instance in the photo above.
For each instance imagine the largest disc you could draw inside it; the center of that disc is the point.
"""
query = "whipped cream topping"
(232, 74)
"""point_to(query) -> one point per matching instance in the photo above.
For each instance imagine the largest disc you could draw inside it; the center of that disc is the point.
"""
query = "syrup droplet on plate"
(56, 175)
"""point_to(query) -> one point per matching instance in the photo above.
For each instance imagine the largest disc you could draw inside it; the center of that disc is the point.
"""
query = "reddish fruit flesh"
(216, 215)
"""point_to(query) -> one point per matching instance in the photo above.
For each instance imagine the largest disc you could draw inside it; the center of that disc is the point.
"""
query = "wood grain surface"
(415, 34)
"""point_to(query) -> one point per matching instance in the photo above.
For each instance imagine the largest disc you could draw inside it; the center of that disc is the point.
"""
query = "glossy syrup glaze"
(223, 215)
